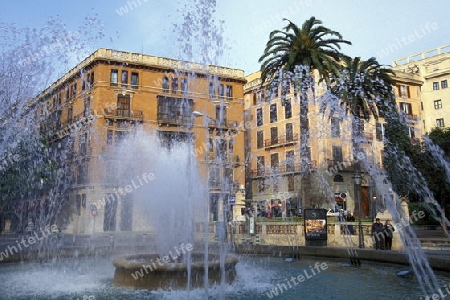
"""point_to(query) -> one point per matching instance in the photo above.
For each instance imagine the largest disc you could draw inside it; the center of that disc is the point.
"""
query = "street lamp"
(357, 179)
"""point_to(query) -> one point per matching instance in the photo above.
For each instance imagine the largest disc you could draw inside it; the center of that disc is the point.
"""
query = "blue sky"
(384, 29)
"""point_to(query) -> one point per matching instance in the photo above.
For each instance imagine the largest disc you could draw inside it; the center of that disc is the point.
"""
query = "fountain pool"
(257, 278)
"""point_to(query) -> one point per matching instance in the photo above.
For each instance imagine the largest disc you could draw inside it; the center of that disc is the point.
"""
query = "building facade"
(273, 141)
(432, 68)
(112, 94)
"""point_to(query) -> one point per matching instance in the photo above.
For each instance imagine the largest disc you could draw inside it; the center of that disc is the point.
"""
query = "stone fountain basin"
(171, 275)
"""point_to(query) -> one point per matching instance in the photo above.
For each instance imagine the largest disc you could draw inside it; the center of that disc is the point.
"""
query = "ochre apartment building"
(112, 94)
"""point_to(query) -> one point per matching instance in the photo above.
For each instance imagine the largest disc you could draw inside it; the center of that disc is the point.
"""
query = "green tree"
(441, 137)
(293, 54)
(26, 177)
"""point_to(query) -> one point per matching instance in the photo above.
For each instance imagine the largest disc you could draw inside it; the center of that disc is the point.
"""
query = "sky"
(383, 29)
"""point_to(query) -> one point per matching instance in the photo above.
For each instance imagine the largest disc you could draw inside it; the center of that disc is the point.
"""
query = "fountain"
(178, 261)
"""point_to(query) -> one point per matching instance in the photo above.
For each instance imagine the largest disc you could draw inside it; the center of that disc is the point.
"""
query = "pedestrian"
(378, 234)
(350, 218)
(389, 234)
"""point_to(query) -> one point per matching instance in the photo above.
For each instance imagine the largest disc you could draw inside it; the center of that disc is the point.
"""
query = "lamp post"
(357, 179)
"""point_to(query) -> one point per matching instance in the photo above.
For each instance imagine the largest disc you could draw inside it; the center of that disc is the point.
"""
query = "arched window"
(165, 84)
(338, 178)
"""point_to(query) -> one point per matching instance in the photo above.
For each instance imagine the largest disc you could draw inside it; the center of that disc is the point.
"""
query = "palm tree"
(364, 88)
(294, 54)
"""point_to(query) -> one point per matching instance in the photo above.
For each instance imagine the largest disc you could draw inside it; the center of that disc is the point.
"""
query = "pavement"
(434, 243)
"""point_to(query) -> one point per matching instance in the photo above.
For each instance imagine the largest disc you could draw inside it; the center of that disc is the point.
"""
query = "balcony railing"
(283, 169)
(231, 158)
(120, 114)
(339, 165)
(412, 117)
(224, 124)
(173, 119)
(280, 141)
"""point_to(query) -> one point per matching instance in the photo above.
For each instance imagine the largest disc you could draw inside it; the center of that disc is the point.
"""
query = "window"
(289, 133)
(405, 108)
(74, 89)
(259, 117)
(165, 84)
(120, 136)
(184, 85)
(259, 97)
(259, 139)
(435, 86)
(444, 84)
(109, 137)
(440, 122)
(231, 145)
(212, 91)
(67, 93)
(437, 104)
(123, 105)
(261, 185)
(404, 91)
(335, 127)
(91, 80)
(412, 132)
(210, 145)
(221, 115)
(124, 79)
(83, 144)
(273, 135)
(260, 165)
(174, 85)
(134, 80)
(290, 160)
(174, 110)
(221, 148)
(287, 109)
(274, 91)
(338, 178)
(337, 154)
(274, 163)
(276, 182)
(379, 131)
(82, 174)
(285, 89)
(69, 114)
(87, 105)
(291, 183)
(113, 77)
(273, 113)
(229, 91)
(221, 90)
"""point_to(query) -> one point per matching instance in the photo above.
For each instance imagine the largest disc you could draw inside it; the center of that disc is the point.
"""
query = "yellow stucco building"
(273, 149)
(432, 67)
(111, 95)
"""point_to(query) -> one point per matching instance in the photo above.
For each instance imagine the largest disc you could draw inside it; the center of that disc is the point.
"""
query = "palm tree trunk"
(356, 142)
(305, 152)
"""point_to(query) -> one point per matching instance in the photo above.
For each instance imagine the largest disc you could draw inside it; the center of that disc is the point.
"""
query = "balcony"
(284, 169)
(411, 118)
(120, 114)
(281, 141)
(339, 165)
(224, 124)
(232, 159)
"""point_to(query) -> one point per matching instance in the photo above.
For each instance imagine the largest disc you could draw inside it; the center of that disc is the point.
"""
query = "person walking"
(389, 234)
(378, 234)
